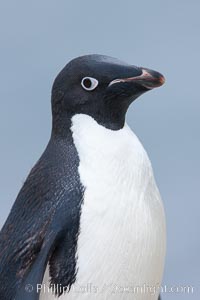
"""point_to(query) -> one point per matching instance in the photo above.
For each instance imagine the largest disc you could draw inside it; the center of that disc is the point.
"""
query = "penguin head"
(101, 87)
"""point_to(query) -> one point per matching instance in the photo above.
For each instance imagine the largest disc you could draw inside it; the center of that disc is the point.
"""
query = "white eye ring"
(89, 83)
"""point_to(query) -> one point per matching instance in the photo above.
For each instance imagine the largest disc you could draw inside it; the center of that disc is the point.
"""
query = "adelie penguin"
(89, 219)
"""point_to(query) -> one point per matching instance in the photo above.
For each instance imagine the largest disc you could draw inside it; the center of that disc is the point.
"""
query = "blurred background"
(37, 38)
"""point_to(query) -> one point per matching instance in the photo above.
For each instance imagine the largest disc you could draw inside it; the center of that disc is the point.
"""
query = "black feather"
(43, 222)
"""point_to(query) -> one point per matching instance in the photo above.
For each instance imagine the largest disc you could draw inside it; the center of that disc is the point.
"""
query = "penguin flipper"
(62, 264)
(26, 248)
(59, 251)
(22, 265)
(30, 286)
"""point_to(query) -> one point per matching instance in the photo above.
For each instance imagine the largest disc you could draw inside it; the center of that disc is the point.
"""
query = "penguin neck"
(109, 114)
(61, 124)
(110, 120)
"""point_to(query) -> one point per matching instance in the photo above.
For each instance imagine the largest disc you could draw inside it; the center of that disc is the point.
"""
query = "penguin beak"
(148, 79)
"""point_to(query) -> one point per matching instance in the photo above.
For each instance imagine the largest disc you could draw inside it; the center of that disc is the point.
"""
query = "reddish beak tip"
(162, 80)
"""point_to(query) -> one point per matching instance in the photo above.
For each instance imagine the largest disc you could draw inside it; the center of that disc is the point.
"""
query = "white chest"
(121, 243)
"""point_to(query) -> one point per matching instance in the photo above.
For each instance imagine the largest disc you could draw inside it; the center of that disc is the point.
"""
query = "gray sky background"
(37, 38)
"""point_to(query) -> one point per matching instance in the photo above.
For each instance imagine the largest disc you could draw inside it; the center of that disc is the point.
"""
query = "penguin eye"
(89, 83)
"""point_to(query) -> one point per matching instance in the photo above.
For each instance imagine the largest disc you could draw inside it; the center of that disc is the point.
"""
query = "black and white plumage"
(89, 211)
